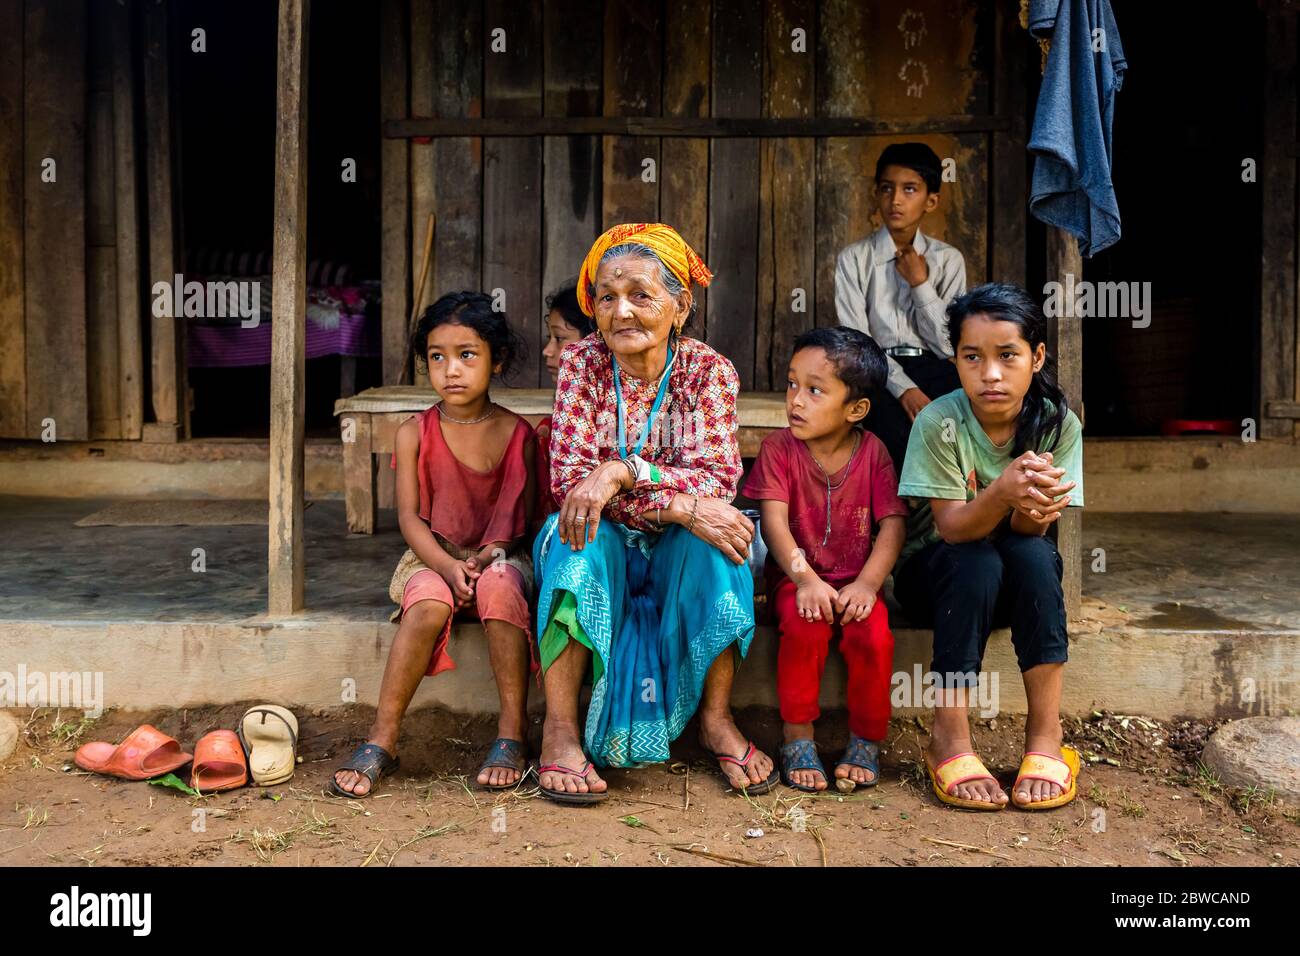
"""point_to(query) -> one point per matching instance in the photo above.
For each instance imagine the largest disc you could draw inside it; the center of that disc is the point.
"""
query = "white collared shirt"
(871, 295)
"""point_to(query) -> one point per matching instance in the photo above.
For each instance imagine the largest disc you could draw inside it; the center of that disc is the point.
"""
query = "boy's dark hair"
(565, 301)
(474, 311)
(1038, 428)
(918, 157)
(859, 362)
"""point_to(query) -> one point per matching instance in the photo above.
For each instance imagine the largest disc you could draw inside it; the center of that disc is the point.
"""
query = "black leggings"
(966, 590)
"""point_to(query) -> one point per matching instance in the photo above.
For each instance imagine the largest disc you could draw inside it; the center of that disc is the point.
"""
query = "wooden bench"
(372, 418)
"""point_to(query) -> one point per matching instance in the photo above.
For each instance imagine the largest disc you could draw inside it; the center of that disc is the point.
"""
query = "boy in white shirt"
(895, 285)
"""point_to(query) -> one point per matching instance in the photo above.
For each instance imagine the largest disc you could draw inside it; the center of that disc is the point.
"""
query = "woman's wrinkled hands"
(580, 513)
(722, 525)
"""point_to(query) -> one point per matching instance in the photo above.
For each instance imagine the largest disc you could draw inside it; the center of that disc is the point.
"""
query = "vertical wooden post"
(1009, 189)
(102, 365)
(167, 364)
(395, 182)
(130, 300)
(13, 338)
(1279, 340)
(54, 216)
(1066, 343)
(288, 313)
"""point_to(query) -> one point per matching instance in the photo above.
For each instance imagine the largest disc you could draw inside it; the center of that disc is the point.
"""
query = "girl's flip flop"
(956, 770)
(146, 753)
(1062, 772)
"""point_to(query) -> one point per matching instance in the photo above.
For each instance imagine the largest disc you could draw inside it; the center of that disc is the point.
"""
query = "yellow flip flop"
(271, 744)
(1062, 772)
(963, 768)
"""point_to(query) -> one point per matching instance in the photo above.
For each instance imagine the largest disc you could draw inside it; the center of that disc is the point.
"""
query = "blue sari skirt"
(655, 610)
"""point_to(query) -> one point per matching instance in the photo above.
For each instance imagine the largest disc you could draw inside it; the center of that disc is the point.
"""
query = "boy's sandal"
(145, 753)
(800, 755)
(372, 762)
(219, 763)
(860, 753)
(271, 745)
(510, 755)
(951, 773)
(563, 796)
(754, 789)
(1062, 772)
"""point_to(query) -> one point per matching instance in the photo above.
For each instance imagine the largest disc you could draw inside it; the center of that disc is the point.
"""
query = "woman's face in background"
(560, 333)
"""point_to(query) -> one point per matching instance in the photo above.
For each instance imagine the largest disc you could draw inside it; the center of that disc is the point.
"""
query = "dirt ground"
(1144, 801)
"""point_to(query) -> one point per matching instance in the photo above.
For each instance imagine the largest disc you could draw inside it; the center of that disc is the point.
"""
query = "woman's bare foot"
(358, 784)
(720, 735)
(983, 791)
(1034, 791)
(562, 744)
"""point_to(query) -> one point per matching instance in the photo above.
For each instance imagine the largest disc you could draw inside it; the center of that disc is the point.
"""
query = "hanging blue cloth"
(1071, 138)
(657, 610)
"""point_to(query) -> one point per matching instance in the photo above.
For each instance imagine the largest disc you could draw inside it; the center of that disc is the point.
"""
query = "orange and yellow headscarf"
(667, 244)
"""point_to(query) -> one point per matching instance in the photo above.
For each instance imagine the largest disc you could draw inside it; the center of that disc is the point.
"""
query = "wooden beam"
(787, 235)
(130, 297)
(1279, 339)
(1009, 194)
(842, 91)
(395, 181)
(512, 173)
(13, 338)
(425, 34)
(570, 164)
(166, 334)
(733, 187)
(288, 313)
(715, 127)
(457, 80)
(104, 396)
(684, 163)
(1065, 342)
(54, 216)
(633, 71)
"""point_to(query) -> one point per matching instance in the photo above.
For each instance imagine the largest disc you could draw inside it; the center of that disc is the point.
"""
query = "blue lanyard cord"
(654, 409)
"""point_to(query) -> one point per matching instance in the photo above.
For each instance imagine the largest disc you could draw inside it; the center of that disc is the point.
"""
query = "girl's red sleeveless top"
(467, 507)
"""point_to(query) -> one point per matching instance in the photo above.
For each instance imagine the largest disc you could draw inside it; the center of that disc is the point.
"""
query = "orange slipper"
(146, 753)
(219, 762)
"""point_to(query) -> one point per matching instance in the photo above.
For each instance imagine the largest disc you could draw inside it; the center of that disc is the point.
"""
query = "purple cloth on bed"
(218, 346)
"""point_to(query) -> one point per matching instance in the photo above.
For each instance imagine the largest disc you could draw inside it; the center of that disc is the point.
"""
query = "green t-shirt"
(950, 457)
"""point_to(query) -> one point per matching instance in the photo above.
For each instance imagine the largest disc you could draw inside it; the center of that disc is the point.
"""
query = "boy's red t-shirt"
(785, 471)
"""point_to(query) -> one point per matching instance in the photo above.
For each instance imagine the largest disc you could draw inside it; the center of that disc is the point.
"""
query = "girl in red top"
(466, 474)
(823, 486)
(565, 323)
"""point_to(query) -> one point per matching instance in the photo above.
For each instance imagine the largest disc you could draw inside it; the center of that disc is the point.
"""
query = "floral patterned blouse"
(693, 439)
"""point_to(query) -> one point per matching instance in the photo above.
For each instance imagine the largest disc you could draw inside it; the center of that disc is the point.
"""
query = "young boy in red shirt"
(824, 485)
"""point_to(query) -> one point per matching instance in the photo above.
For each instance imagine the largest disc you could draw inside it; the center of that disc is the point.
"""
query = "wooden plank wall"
(70, 286)
(768, 215)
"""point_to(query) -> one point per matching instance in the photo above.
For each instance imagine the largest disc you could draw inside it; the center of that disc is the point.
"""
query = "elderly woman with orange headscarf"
(643, 577)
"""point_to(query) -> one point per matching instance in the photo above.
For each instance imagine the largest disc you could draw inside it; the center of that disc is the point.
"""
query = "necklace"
(654, 409)
(857, 440)
(492, 410)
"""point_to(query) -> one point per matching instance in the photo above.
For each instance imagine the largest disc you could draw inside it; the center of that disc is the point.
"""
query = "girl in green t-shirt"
(991, 468)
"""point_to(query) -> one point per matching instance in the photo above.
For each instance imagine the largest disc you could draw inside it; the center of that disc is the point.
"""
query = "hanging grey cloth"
(1071, 138)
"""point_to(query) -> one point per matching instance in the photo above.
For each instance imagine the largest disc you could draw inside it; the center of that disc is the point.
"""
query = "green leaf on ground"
(176, 783)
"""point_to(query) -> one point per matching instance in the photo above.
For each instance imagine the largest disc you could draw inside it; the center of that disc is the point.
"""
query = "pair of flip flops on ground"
(965, 767)
(374, 762)
(563, 796)
(222, 759)
(802, 755)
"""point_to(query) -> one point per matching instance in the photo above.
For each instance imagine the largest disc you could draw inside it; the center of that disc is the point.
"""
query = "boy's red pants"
(868, 649)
